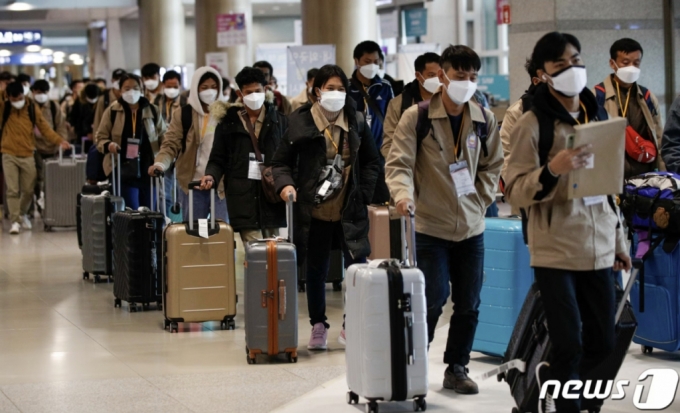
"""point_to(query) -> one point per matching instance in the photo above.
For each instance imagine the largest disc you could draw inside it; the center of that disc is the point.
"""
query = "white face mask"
(460, 91)
(381, 73)
(27, 90)
(19, 105)
(569, 81)
(333, 100)
(115, 85)
(171, 92)
(132, 96)
(369, 71)
(627, 74)
(431, 84)
(151, 84)
(41, 98)
(254, 100)
(208, 96)
(92, 101)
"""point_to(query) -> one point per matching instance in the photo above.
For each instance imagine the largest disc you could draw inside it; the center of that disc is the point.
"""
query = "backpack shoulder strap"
(546, 135)
(112, 114)
(600, 94)
(182, 100)
(647, 94)
(482, 131)
(424, 124)
(107, 98)
(53, 109)
(186, 124)
(527, 101)
(5, 116)
(31, 114)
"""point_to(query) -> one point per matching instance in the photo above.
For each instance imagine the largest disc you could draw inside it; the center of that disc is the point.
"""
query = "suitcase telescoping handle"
(160, 192)
(197, 184)
(115, 174)
(637, 265)
(61, 154)
(408, 249)
(289, 210)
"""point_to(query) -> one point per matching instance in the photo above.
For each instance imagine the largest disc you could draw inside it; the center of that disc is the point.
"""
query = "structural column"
(342, 23)
(161, 32)
(206, 32)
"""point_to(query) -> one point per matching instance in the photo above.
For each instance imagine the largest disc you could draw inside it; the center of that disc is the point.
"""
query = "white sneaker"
(342, 339)
(26, 223)
(16, 227)
(548, 404)
(41, 201)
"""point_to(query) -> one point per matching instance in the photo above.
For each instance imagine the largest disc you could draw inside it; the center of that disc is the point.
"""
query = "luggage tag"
(132, 148)
(254, 167)
(462, 181)
(324, 188)
(203, 228)
(594, 200)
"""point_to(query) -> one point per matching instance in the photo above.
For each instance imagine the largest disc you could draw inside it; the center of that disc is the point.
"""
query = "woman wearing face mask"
(233, 154)
(131, 127)
(82, 113)
(330, 147)
(190, 144)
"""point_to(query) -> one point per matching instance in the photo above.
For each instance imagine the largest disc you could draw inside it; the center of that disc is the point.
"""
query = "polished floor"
(65, 348)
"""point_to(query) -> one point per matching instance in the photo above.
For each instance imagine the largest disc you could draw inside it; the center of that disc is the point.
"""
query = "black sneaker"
(546, 405)
(456, 379)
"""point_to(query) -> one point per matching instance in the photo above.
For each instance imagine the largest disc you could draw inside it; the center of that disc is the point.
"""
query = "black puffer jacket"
(230, 156)
(299, 160)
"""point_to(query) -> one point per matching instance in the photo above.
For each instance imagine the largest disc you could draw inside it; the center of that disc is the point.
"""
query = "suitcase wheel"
(337, 286)
(167, 324)
(301, 288)
(145, 306)
(159, 305)
(250, 360)
(117, 303)
(419, 404)
(372, 406)
(174, 328)
(86, 275)
(352, 398)
(97, 278)
(515, 410)
(47, 228)
(646, 349)
(132, 307)
(231, 325)
(291, 358)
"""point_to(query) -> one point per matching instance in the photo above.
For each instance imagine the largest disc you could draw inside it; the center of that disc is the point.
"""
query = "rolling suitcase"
(271, 310)
(386, 331)
(507, 279)
(137, 256)
(199, 268)
(86, 190)
(530, 345)
(384, 232)
(96, 215)
(63, 181)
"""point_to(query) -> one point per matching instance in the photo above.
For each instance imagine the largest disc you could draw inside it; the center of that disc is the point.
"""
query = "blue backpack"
(651, 202)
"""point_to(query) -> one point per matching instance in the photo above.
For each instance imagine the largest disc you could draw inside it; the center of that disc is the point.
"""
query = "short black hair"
(249, 75)
(100, 79)
(117, 74)
(172, 74)
(264, 64)
(150, 69)
(311, 73)
(328, 71)
(92, 91)
(225, 83)
(74, 82)
(23, 77)
(41, 85)
(129, 76)
(530, 68)
(460, 57)
(85, 79)
(367, 47)
(424, 59)
(5, 76)
(551, 46)
(15, 89)
(625, 46)
(210, 75)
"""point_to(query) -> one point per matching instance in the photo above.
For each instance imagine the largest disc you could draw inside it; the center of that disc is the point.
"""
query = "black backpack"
(186, 124)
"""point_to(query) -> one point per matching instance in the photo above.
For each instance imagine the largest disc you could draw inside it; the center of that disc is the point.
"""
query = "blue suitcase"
(659, 324)
(507, 280)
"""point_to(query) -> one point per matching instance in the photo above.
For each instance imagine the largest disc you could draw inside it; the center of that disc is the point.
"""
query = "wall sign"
(415, 21)
(231, 29)
(20, 37)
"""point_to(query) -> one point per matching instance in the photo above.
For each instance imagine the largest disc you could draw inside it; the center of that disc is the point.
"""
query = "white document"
(462, 181)
(254, 168)
(324, 188)
(203, 228)
(594, 200)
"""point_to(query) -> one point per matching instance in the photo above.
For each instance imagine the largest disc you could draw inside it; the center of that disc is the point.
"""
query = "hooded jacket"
(230, 158)
(171, 148)
(298, 162)
(563, 234)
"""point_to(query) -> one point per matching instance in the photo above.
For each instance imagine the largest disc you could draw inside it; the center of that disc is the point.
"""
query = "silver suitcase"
(271, 308)
(96, 215)
(63, 180)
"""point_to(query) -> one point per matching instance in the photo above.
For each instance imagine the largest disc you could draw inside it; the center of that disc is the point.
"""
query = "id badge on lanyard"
(254, 167)
(462, 180)
(132, 148)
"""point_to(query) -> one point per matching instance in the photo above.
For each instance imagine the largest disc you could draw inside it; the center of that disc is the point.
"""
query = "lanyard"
(460, 134)
(205, 126)
(168, 105)
(618, 95)
(585, 113)
(330, 138)
(134, 122)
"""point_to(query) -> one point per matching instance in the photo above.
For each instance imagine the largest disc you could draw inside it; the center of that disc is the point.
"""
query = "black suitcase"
(336, 272)
(530, 345)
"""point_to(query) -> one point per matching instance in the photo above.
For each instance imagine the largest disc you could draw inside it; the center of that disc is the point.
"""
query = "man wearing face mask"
(282, 103)
(151, 76)
(25, 81)
(19, 119)
(307, 94)
(170, 99)
(645, 129)
(241, 126)
(443, 166)
(576, 244)
(108, 97)
(425, 84)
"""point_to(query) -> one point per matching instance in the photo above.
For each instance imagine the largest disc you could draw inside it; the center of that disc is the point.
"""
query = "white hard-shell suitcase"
(386, 331)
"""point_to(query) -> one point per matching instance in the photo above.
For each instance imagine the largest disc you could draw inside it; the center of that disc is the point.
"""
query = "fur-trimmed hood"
(219, 108)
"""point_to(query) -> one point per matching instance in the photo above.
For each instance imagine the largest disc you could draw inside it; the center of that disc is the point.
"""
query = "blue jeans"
(321, 237)
(168, 180)
(456, 267)
(202, 205)
(135, 197)
(492, 211)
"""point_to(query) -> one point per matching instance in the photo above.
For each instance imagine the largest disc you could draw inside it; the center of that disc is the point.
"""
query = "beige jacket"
(107, 132)
(58, 124)
(513, 113)
(99, 108)
(300, 100)
(563, 234)
(392, 117)
(423, 174)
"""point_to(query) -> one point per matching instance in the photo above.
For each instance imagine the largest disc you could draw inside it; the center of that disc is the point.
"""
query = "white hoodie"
(193, 100)
(206, 142)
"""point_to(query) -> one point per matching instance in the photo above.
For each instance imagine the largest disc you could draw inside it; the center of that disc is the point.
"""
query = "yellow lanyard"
(460, 134)
(330, 138)
(168, 105)
(134, 122)
(585, 113)
(618, 95)
(205, 125)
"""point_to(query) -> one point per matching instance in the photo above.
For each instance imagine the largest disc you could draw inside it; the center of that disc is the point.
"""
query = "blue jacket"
(670, 144)
(381, 92)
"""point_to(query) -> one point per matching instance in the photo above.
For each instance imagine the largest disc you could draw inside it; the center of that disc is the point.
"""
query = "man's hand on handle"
(622, 262)
(153, 169)
(207, 182)
(406, 207)
(65, 145)
(113, 148)
(288, 190)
